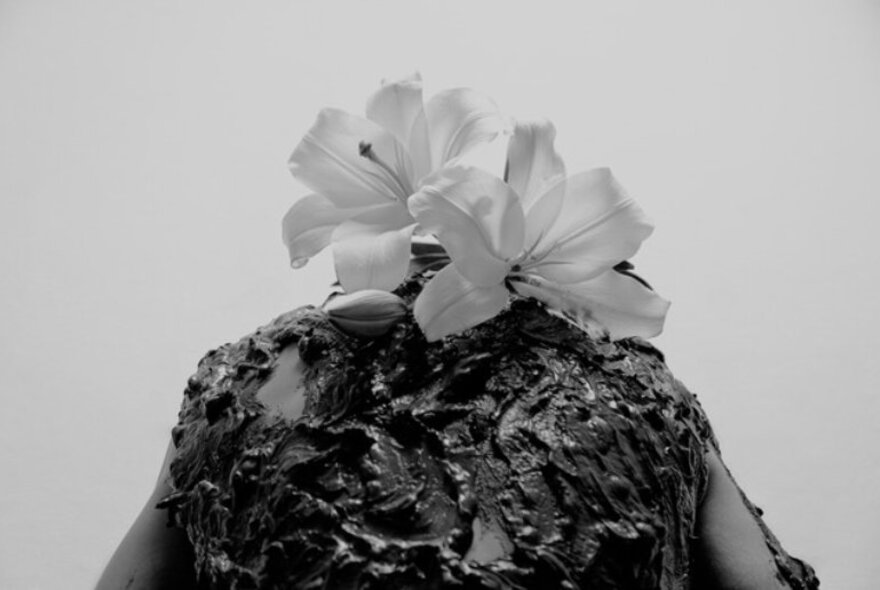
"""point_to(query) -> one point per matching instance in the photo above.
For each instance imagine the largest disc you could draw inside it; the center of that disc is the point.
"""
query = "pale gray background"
(143, 180)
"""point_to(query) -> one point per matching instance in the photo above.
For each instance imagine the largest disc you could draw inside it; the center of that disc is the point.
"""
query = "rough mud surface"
(576, 462)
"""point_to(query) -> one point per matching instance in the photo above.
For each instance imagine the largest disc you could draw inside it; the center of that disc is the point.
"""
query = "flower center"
(399, 185)
(529, 258)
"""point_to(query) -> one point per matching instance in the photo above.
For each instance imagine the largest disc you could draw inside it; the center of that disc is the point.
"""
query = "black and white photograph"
(393, 295)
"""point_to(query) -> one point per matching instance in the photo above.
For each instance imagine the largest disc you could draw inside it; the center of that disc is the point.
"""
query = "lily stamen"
(527, 255)
(365, 149)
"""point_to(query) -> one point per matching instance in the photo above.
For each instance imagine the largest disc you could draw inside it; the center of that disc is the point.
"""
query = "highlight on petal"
(372, 250)
(459, 119)
(619, 302)
(476, 217)
(396, 105)
(542, 214)
(449, 304)
(308, 226)
(332, 160)
(597, 226)
(533, 165)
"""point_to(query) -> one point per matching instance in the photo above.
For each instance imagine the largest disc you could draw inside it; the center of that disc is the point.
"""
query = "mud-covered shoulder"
(795, 572)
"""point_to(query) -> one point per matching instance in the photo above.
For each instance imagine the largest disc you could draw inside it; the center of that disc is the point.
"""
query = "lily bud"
(368, 313)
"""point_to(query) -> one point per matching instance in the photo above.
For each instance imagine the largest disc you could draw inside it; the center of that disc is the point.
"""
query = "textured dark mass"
(521, 454)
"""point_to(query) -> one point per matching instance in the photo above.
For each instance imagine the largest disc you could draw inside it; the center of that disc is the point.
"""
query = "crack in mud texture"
(524, 454)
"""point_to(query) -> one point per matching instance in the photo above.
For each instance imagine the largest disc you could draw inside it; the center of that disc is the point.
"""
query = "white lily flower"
(363, 171)
(543, 235)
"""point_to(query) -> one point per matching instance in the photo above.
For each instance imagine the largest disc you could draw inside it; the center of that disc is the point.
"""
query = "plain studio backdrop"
(143, 178)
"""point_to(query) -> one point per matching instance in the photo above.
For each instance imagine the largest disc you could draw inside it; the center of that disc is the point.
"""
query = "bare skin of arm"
(732, 552)
(152, 555)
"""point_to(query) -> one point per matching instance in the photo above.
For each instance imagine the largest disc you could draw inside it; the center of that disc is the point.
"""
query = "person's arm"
(152, 555)
(732, 549)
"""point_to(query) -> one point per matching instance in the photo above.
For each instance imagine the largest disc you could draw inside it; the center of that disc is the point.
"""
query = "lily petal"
(533, 165)
(372, 250)
(477, 218)
(308, 226)
(396, 105)
(596, 227)
(449, 304)
(619, 302)
(459, 119)
(329, 161)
